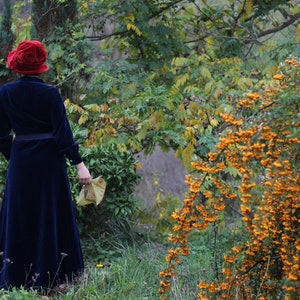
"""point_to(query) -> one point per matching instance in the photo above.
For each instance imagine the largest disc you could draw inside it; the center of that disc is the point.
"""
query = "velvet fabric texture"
(39, 239)
(28, 59)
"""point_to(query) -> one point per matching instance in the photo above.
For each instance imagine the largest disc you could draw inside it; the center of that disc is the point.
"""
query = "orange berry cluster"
(266, 156)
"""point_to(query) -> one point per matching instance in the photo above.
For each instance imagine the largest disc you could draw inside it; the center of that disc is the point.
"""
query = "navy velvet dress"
(39, 239)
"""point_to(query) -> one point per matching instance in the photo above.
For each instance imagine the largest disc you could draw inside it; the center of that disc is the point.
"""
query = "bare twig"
(262, 281)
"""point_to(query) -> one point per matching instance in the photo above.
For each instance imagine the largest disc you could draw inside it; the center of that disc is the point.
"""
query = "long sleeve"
(5, 129)
(62, 130)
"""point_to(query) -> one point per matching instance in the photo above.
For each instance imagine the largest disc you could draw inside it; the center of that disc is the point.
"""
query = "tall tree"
(47, 15)
(6, 40)
(56, 24)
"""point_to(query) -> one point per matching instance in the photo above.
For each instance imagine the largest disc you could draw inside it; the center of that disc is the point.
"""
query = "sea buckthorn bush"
(261, 143)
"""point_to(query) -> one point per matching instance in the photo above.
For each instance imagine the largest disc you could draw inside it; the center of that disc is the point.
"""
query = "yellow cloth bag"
(92, 193)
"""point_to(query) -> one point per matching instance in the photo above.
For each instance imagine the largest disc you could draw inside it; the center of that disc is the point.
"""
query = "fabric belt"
(33, 136)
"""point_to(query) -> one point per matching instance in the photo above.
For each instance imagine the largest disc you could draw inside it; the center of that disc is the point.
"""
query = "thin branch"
(153, 15)
(157, 13)
(247, 40)
(292, 20)
(265, 275)
(236, 19)
(250, 39)
(259, 111)
(105, 36)
(235, 210)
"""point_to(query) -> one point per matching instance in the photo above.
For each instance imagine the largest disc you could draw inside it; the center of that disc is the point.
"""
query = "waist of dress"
(33, 136)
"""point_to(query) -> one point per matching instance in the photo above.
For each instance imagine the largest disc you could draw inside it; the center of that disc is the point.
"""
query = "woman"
(39, 240)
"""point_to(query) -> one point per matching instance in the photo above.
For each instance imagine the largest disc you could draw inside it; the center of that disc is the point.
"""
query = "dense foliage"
(254, 162)
(196, 77)
(6, 39)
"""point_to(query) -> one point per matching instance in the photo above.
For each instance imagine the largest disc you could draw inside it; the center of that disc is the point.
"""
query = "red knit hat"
(28, 59)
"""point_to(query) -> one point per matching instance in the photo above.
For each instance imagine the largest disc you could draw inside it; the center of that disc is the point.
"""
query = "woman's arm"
(64, 138)
(61, 129)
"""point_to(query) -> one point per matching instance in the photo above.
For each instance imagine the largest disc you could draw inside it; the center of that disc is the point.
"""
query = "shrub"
(260, 151)
(118, 168)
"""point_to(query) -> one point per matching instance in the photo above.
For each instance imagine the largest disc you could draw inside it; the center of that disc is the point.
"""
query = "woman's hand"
(84, 176)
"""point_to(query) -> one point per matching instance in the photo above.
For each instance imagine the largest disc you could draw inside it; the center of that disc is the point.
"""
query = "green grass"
(132, 275)
(132, 259)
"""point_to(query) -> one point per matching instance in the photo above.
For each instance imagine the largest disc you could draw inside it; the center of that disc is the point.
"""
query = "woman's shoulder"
(7, 85)
(37, 83)
(5, 88)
